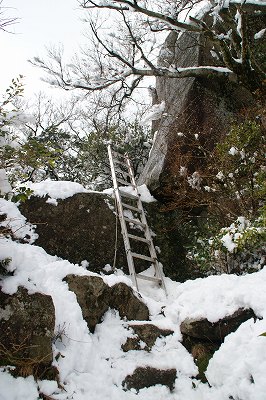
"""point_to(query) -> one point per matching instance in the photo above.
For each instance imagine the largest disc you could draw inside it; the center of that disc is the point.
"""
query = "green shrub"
(92, 164)
(239, 164)
(238, 248)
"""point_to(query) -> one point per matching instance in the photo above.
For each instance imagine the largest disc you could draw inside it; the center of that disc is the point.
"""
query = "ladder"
(122, 173)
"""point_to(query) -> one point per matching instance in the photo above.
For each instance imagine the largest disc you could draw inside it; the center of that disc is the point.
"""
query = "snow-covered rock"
(95, 297)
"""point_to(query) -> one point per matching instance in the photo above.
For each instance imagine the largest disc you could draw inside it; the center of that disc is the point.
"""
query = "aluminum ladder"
(122, 173)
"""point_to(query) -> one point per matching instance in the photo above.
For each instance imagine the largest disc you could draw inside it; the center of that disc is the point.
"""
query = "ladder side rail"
(122, 221)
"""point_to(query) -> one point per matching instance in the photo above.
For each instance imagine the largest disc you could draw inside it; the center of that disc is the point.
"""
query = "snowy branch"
(127, 5)
(204, 71)
(124, 53)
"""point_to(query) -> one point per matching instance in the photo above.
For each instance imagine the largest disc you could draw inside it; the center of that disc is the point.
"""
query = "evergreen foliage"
(36, 148)
(233, 235)
(93, 166)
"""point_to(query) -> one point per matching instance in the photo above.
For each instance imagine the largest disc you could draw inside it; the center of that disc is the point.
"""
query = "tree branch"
(126, 5)
(189, 72)
(134, 40)
(5, 22)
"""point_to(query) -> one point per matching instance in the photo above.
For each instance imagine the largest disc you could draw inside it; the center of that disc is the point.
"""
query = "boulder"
(147, 333)
(95, 298)
(147, 376)
(127, 303)
(202, 337)
(27, 324)
(215, 331)
(92, 296)
(199, 106)
(83, 227)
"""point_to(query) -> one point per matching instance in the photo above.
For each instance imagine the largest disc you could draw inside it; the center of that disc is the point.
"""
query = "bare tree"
(120, 56)
(5, 22)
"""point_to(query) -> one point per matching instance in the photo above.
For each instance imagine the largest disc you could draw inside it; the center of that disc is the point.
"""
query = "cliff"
(193, 106)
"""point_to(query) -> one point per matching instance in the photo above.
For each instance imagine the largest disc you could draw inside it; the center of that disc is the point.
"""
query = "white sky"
(41, 23)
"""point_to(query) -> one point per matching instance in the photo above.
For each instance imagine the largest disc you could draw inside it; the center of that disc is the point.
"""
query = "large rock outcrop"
(204, 107)
(83, 227)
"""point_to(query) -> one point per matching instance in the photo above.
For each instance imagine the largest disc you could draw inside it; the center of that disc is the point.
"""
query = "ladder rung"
(139, 238)
(131, 207)
(135, 221)
(149, 278)
(124, 182)
(129, 195)
(142, 257)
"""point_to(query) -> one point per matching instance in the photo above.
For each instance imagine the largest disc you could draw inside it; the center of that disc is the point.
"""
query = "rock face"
(26, 332)
(83, 227)
(147, 333)
(95, 298)
(192, 106)
(147, 376)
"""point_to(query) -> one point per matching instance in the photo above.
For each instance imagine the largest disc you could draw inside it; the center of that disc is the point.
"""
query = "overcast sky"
(41, 23)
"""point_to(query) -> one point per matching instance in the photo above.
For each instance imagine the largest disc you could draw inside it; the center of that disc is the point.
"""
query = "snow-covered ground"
(93, 366)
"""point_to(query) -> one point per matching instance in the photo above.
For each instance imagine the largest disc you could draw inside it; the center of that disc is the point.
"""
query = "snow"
(5, 186)
(142, 190)
(154, 113)
(238, 19)
(236, 231)
(16, 222)
(93, 366)
(194, 180)
(220, 176)
(145, 195)
(227, 241)
(64, 189)
(211, 67)
(260, 34)
(17, 389)
(56, 189)
(233, 151)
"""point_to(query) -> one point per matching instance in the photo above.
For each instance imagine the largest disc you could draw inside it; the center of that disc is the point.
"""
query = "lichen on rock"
(27, 324)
